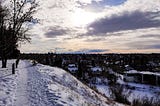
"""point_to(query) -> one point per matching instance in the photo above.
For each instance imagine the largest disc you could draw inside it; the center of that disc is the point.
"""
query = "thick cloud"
(95, 39)
(157, 36)
(148, 44)
(126, 21)
(112, 2)
(138, 27)
(154, 46)
(55, 31)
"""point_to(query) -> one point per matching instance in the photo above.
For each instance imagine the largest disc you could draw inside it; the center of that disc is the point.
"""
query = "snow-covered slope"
(67, 90)
(42, 85)
(7, 85)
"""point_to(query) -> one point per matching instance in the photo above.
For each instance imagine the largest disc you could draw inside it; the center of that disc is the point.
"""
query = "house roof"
(96, 69)
(142, 72)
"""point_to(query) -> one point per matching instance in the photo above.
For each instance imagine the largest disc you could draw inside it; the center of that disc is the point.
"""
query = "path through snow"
(31, 88)
(43, 85)
(21, 91)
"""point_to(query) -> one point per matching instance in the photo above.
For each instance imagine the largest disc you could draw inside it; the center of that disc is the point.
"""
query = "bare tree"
(22, 15)
(3, 37)
(19, 17)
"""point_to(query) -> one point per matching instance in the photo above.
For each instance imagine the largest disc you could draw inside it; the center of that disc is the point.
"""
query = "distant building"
(142, 77)
(72, 68)
(96, 70)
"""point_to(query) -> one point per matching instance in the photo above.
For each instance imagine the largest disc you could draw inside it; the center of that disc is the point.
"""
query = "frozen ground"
(42, 85)
(138, 91)
(7, 85)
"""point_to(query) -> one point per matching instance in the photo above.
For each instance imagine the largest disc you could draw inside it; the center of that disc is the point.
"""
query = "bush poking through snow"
(112, 79)
(120, 94)
(146, 102)
(34, 63)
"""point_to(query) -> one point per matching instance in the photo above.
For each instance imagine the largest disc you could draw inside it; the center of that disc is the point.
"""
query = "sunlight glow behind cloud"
(112, 27)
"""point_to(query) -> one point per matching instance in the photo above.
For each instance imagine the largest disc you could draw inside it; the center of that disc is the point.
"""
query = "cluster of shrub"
(121, 93)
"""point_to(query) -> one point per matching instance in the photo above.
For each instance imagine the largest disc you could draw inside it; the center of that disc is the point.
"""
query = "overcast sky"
(99, 26)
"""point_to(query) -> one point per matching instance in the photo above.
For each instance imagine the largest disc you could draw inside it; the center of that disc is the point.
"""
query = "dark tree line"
(14, 25)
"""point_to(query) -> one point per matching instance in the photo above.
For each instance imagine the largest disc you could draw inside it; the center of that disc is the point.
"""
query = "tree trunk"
(13, 68)
(4, 62)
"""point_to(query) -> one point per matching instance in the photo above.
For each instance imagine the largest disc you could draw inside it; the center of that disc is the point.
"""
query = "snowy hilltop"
(41, 85)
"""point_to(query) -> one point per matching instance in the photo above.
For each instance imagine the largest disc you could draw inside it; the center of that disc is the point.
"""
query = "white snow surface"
(7, 85)
(94, 69)
(138, 91)
(72, 68)
(43, 85)
(143, 72)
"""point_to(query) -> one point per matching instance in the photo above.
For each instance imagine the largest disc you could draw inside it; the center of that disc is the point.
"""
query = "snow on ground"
(70, 91)
(138, 91)
(104, 89)
(42, 85)
(141, 90)
(7, 85)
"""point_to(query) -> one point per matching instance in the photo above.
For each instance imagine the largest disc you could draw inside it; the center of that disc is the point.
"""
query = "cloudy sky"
(99, 26)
